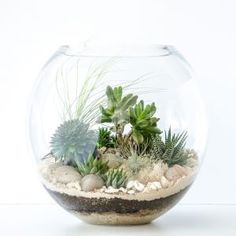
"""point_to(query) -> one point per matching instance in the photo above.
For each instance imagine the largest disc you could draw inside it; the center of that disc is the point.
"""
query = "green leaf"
(137, 136)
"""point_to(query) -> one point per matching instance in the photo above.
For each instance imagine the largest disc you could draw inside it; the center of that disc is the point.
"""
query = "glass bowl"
(118, 133)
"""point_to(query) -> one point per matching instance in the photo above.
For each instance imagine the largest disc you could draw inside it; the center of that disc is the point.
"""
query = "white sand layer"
(142, 217)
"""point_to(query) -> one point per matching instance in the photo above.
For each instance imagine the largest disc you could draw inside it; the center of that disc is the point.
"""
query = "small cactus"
(93, 166)
(116, 178)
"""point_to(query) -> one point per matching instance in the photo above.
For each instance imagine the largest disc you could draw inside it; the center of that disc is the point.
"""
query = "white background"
(204, 31)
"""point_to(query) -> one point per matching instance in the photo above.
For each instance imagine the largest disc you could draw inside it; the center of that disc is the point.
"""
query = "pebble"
(114, 161)
(160, 168)
(192, 162)
(110, 189)
(135, 185)
(124, 190)
(130, 184)
(66, 174)
(138, 186)
(131, 192)
(91, 182)
(164, 182)
(175, 172)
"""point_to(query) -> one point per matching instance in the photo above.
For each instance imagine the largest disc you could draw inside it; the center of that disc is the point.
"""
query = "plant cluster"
(132, 131)
(122, 110)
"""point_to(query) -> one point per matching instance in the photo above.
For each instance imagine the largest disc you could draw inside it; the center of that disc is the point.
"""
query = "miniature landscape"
(126, 171)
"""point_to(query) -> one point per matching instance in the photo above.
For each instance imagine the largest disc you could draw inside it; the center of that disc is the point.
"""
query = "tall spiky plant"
(171, 150)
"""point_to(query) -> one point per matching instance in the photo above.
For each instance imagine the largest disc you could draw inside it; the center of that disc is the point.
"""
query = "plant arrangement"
(127, 154)
(142, 145)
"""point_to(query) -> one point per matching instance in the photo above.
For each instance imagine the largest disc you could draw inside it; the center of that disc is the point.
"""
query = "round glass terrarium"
(118, 133)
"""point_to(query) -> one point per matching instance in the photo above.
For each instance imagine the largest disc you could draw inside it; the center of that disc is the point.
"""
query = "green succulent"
(116, 178)
(144, 125)
(72, 142)
(117, 108)
(136, 162)
(93, 166)
(172, 149)
(105, 138)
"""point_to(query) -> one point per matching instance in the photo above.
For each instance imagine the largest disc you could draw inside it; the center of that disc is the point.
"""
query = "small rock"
(91, 182)
(160, 168)
(175, 172)
(157, 185)
(124, 190)
(164, 182)
(131, 192)
(114, 161)
(110, 189)
(130, 184)
(66, 174)
(192, 162)
(138, 186)
(152, 187)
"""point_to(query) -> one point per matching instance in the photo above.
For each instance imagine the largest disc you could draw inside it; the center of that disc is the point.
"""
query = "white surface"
(204, 31)
(49, 220)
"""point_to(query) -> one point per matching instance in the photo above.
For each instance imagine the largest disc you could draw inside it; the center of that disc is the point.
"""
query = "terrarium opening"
(152, 50)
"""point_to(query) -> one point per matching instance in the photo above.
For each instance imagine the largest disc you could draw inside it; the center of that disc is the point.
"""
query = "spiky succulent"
(117, 108)
(171, 150)
(72, 142)
(143, 122)
(105, 138)
(93, 166)
(116, 178)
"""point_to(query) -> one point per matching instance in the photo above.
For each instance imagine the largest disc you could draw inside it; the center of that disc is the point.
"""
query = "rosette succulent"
(143, 122)
(73, 142)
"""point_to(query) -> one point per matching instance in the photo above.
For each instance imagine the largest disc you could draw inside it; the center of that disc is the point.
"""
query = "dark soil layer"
(114, 205)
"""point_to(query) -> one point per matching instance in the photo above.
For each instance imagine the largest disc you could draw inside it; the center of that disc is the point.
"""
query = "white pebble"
(110, 189)
(157, 185)
(131, 192)
(123, 190)
(164, 182)
(130, 184)
(138, 186)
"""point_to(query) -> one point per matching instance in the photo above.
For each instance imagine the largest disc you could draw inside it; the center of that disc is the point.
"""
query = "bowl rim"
(118, 50)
